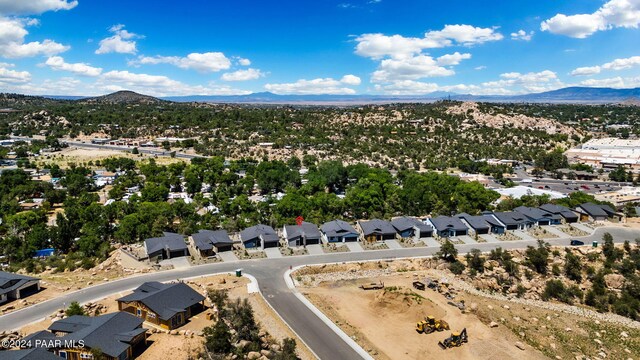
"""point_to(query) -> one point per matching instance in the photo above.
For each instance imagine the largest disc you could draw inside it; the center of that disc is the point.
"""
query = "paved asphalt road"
(270, 275)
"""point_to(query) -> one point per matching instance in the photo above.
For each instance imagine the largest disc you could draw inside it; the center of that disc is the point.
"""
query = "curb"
(354, 345)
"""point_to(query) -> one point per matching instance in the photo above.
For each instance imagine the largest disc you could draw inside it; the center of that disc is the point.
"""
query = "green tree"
(448, 251)
(74, 309)
(217, 338)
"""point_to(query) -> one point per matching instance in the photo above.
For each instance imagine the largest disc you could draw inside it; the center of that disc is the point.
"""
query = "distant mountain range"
(586, 95)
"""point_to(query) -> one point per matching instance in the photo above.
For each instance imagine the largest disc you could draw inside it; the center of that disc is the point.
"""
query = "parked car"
(576, 243)
(584, 187)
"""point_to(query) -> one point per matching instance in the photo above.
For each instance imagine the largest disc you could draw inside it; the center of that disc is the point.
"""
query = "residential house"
(376, 230)
(447, 226)
(209, 242)
(302, 235)
(562, 211)
(14, 286)
(117, 335)
(539, 217)
(259, 236)
(168, 306)
(338, 231)
(35, 353)
(169, 246)
(497, 227)
(408, 227)
(513, 220)
(596, 212)
(478, 223)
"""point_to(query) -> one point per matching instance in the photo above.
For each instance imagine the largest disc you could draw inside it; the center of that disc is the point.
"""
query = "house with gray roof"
(477, 223)
(338, 231)
(596, 212)
(15, 286)
(497, 227)
(166, 305)
(302, 235)
(259, 236)
(168, 246)
(448, 226)
(513, 220)
(36, 353)
(211, 242)
(564, 212)
(539, 217)
(408, 227)
(117, 335)
(376, 230)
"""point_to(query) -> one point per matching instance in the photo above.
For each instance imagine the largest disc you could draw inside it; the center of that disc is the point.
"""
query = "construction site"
(410, 309)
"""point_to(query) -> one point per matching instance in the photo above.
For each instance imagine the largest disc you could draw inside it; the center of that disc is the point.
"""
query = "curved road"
(269, 273)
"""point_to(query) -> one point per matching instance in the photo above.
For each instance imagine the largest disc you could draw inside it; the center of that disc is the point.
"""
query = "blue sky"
(162, 48)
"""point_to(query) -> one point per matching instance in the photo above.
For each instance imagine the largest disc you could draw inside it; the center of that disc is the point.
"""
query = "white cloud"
(584, 71)
(350, 80)
(621, 64)
(158, 85)
(243, 75)
(316, 86)
(202, 62)
(530, 82)
(615, 82)
(58, 63)
(613, 14)
(12, 76)
(121, 42)
(12, 45)
(32, 7)
(453, 59)
(377, 46)
(414, 68)
(617, 64)
(481, 67)
(466, 35)
(522, 35)
(244, 62)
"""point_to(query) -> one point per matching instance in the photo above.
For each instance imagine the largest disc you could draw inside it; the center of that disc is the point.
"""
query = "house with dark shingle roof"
(116, 335)
(539, 217)
(376, 230)
(447, 226)
(338, 231)
(36, 353)
(562, 211)
(260, 236)
(15, 286)
(408, 227)
(497, 227)
(478, 224)
(302, 235)
(596, 212)
(166, 305)
(210, 242)
(169, 246)
(513, 220)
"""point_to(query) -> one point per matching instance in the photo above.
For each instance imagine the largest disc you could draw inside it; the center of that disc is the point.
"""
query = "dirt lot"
(181, 346)
(383, 321)
(83, 155)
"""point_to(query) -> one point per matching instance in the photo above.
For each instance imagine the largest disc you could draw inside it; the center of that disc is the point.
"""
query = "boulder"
(493, 324)
(519, 345)
(614, 281)
(253, 355)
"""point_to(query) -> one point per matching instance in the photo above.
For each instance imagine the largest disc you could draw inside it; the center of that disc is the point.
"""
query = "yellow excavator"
(456, 339)
(430, 324)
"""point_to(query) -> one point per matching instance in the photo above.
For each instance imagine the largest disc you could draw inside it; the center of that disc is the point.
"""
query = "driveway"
(315, 249)
(178, 263)
(555, 231)
(489, 238)
(354, 247)
(228, 256)
(467, 239)
(523, 235)
(273, 253)
(431, 242)
(393, 244)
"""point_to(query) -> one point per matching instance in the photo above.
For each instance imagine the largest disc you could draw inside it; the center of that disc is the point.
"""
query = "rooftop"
(166, 300)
